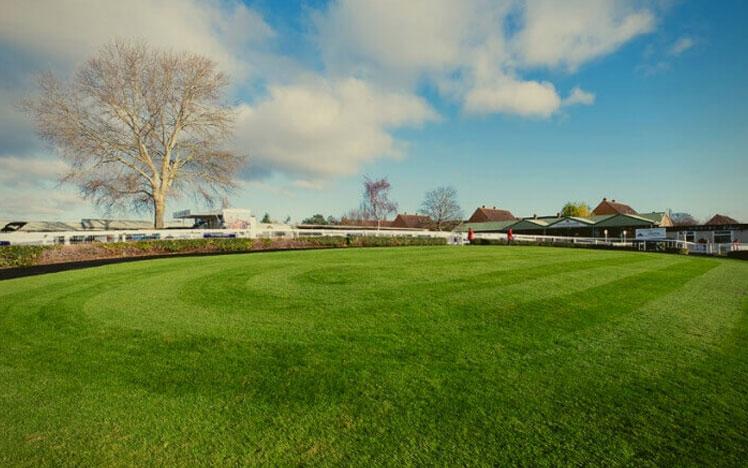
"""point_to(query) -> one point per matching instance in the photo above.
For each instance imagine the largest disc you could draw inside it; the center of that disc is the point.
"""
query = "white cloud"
(32, 203)
(326, 128)
(525, 98)
(375, 54)
(392, 38)
(579, 96)
(68, 32)
(476, 51)
(572, 32)
(681, 45)
(33, 169)
(29, 189)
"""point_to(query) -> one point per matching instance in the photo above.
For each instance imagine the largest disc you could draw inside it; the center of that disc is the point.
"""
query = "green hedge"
(372, 241)
(20, 255)
(28, 255)
(179, 245)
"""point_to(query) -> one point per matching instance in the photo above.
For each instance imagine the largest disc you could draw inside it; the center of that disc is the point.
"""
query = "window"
(722, 237)
(690, 236)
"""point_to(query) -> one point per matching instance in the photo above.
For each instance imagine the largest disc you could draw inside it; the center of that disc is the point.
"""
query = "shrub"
(20, 255)
(372, 241)
(28, 255)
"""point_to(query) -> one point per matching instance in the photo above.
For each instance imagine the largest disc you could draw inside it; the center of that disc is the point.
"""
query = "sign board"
(651, 234)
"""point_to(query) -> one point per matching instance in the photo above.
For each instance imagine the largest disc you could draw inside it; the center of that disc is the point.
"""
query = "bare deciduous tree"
(377, 204)
(683, 219)
(139, 126)
(354, 216)
(441, 206)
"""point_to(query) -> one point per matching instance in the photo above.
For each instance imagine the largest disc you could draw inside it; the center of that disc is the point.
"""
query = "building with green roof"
(618, 219)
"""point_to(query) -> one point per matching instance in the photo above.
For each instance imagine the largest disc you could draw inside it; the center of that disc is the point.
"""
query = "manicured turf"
(436, 355)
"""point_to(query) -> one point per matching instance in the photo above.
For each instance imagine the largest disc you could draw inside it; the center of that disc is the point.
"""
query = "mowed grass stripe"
(616, 358)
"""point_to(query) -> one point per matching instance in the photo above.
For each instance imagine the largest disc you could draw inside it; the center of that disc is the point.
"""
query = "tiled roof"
(484, 214)
(719, 219)
(612, 207)
(411, 221)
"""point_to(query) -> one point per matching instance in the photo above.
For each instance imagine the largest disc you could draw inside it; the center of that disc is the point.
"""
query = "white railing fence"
(81, 237)
(648, 245)
(453, 238)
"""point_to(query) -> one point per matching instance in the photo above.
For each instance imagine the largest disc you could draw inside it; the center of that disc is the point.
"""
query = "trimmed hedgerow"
(23, 255)
(179, 246)
(372, 241)
(20, 255)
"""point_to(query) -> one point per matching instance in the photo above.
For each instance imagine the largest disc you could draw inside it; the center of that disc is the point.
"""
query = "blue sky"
(522, 105)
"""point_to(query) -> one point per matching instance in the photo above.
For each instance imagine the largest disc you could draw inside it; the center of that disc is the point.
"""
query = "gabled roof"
(484, 214)
(624, 220)
(719, 219)
(531, 223)
(607, 207)
(491, 226)
(559, 222)
(411, 221)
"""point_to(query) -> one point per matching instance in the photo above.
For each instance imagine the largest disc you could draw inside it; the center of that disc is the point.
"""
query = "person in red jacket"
(471, 235)
(510, 236)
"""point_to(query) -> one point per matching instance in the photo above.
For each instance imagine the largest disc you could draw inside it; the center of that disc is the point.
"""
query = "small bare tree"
(139, 126)
(354, 216)
(441, 206)
(376, 203)
(683, 219)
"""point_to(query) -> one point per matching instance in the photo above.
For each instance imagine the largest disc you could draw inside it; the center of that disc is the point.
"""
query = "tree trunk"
(158, 212)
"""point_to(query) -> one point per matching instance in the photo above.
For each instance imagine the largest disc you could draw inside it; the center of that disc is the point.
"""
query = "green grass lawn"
(435, 355)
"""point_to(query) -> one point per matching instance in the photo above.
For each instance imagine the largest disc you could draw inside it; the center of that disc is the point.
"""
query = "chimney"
(605, 199)
(534, 216)
(558, 214)
(483, 206)
(613, 200)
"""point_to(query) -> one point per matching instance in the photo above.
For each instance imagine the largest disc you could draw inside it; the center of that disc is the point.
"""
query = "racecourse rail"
(453, 238)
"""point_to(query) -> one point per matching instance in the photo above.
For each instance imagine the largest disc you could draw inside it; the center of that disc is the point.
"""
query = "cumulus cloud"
(375, 55)
(28, 188)
(390, 38)
(326, 127)
(68, 32)
(477, 51)
(34, 169)
(32, 203)
(570, 33)
(525, 98)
